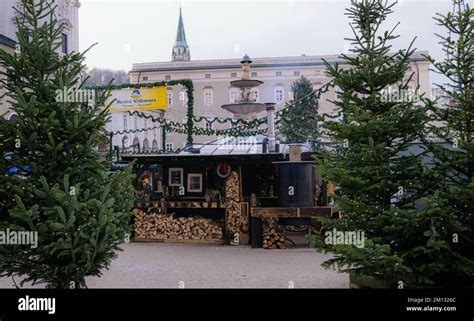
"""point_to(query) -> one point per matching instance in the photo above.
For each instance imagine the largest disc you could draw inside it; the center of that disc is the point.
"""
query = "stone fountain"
(245, 107)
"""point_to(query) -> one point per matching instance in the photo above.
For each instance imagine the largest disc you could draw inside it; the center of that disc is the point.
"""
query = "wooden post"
(241, 198)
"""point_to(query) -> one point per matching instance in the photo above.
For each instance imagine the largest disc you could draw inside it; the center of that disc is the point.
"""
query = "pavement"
(167, 265)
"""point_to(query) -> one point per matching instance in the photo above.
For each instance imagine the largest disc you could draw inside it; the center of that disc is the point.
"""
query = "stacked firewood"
(165, 227)
(234, 217)
(273, 235)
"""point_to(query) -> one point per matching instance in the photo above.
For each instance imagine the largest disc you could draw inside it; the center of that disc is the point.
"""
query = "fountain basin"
(246, 83)
(244, 107)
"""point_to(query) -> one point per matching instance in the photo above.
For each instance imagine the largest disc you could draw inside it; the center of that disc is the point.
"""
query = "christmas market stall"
(246, 187)
(234, 190)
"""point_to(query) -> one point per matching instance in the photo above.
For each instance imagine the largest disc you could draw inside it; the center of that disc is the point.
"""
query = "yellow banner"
(146, 98)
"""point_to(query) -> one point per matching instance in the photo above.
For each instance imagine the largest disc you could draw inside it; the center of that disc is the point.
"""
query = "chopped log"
(234, 215)
(168, 227)
(273, 235)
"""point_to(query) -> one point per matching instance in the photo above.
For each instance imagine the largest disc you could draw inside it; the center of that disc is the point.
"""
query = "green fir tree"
(300, 124)
(452, 132)
(384, 189)
(65, 193)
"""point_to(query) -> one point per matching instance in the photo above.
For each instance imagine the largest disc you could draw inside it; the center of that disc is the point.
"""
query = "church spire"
(181, 36)
(181, 49)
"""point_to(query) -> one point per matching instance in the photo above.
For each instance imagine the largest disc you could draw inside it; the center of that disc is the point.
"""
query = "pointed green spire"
(181, 49)
(181, 35)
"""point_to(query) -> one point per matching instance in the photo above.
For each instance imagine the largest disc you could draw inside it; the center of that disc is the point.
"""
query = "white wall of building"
(67, 11)
(212, 78)
(150, 139)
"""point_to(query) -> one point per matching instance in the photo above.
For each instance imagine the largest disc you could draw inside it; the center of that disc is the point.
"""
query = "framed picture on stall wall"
(175, 177)
(195, 183)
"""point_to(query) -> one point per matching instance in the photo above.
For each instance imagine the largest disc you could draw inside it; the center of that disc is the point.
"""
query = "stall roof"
(231, 146)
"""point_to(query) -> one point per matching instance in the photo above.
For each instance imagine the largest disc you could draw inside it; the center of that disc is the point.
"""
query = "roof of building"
(241, 145)
(230, 146)
(181, 35)
(4, 40)
(209, 64)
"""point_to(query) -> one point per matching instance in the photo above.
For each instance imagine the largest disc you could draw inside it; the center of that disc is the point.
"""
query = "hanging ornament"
(223, 170)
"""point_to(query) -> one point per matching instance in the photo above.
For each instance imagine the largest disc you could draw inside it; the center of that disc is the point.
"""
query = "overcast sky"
(130, 31)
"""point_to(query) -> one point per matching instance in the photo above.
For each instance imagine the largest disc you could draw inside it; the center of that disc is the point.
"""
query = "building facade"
(212, 88)
(67, 12)
(8, 45)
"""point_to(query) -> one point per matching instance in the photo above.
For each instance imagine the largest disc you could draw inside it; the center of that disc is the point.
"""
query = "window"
(194, 183)
(10, 76)
(253, 74)
(169, 147)
(296, 73)
(279, 95)
(125, 142)
(154, 144)
(125, 121)
(169, 97)
(64, 44)
(167, 77)
(146, 144)
(208, 97)
(209, 125)
(136, 142)
(183, 97)
(146, 123)
(145, 78)
(209, 116)
(233, 95)
(278, 73)
(13, 117)
(208, 76)
(255, 95)
(233, 75)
